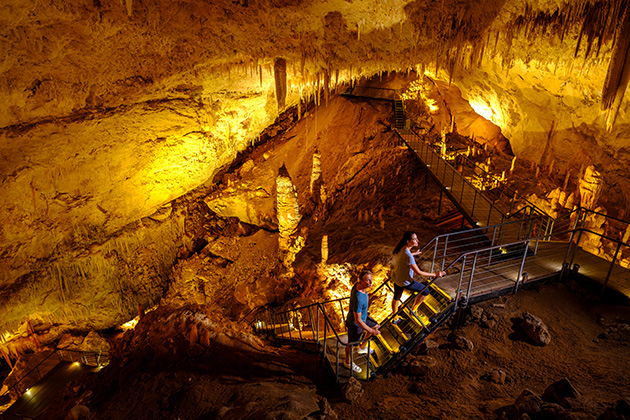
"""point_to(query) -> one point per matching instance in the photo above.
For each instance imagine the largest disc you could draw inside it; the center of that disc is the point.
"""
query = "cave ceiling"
(112, 109)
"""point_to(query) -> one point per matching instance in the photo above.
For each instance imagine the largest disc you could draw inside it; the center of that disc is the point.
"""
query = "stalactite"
(618, 73)
(566, 180)
(326, 86)
(280, 77)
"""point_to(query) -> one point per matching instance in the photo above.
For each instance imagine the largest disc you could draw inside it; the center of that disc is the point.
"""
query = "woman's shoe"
(355, 368)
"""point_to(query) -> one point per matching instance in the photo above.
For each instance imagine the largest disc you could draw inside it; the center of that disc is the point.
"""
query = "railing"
(374, 92)
(313, 325)
(607, 237)
(89, 358)
(500, 193)
(489, 206)
(37, 373)
(33, 375)
(443, 249)
(480, 262)
(480, 210)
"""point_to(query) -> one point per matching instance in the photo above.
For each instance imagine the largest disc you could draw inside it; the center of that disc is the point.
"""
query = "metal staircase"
(506, 252)
(321, 327)
(478, 268)
(399, 114)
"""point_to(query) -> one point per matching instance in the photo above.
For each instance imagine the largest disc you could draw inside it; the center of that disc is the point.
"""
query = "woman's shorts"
(414, 287)
(354, 331)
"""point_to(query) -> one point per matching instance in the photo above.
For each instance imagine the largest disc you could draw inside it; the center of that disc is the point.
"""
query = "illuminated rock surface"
(139, 158)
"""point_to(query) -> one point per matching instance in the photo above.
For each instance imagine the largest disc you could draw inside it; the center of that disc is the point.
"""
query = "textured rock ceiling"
(111, 109)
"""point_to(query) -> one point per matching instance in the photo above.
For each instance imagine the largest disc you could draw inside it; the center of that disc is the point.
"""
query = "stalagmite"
(590, 188)
(316, 170)
(512, 165)
(288, 210)
(204, 337)
(324, 249)
(194, 335)
(323, 196)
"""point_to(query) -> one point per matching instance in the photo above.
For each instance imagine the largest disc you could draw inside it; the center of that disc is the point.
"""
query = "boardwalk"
(33, 402)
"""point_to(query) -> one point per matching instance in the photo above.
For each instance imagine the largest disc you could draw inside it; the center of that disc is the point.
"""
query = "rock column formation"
(288, 212)
(590, 188)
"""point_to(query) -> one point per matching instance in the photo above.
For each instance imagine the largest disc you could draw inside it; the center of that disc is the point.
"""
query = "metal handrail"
(36, 368)
(537, 227)
(473, 164)
(427, 150)
(59, 352)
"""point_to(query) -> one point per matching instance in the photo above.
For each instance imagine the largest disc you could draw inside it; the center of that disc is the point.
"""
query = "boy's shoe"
(364, 351)
(355, 368)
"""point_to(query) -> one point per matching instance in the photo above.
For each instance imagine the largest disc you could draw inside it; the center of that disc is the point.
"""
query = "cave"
(170, 170)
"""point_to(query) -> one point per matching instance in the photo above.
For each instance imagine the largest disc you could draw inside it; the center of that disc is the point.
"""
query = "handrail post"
(459, 285)
(472, 212)
(520, 270)
(367, 365)
(325, 335)
(490, 214)
(337, 370)
(310, 317)
(286, 317)
(566, 255)
(494, 235)
(472, 273)
(299, 327)
(530, 228)
(577, 245)
(445, 250)
(437, 240)
(612, 265)
(317, 320)
(343, 313)
(538, 238)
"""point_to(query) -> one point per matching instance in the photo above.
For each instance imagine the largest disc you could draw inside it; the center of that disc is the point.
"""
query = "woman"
(404, 269)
